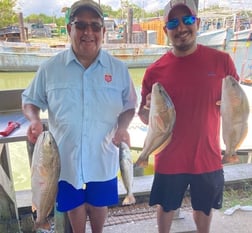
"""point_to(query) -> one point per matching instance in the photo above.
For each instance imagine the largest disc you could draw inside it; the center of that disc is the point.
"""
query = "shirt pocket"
(64, 101)
(106, 102)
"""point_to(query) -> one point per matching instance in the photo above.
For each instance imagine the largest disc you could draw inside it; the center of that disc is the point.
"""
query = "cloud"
(53, 7)
(47, 7)
(50, 7)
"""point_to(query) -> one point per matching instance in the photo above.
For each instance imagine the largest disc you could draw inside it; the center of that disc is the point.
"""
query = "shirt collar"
(70, 56)
(101, 58)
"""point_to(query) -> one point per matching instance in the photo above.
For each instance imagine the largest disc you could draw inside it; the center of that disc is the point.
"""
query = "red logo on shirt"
(108, 77)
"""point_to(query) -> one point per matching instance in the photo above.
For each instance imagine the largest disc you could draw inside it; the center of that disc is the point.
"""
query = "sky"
(53, 7)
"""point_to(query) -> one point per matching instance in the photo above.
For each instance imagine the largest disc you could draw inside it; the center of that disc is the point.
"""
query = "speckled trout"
(127, 173)
(45, 170)
(162, 118)
(234, 111)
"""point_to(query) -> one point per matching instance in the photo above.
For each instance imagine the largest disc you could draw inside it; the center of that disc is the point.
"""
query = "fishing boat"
(216, 38)
(242, 27)
(215, 30)
(18, 57)
(242, 35)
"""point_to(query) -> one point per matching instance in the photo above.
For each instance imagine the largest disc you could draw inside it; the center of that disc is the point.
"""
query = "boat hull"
(243, 35)
(29, 58)
(215, 38)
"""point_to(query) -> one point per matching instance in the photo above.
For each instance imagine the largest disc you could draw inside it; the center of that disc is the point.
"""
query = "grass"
(238, 196)
(62, 40)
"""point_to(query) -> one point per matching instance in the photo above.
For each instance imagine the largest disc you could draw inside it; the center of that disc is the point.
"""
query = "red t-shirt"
(194, 85)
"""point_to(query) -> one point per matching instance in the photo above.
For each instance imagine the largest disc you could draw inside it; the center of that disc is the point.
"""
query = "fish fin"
(129, 200)
(230, 159)
(142, 162)
(163, 145)
(33, 208)
(242, 138)
(42, 171)
(159, 123)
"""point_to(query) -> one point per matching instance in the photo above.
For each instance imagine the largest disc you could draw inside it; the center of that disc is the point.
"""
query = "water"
(241, 53)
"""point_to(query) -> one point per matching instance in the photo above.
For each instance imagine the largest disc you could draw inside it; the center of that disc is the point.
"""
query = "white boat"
(16, 56)
(242, 35)
(215, 38)
(242, 27)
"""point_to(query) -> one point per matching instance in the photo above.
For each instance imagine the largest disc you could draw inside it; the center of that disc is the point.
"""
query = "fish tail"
(129, 200)
(142, 162)
(42, 224)
(227, 158)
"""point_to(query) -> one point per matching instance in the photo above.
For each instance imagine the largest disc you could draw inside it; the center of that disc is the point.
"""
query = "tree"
(40, 18)
(7, 15)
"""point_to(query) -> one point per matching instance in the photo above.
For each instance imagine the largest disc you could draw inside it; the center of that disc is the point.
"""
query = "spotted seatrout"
(126, 168)
(45, 170)
(162, 118)
(234, 111)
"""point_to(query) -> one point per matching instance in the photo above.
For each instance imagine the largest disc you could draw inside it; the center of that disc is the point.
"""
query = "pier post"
(9, 220)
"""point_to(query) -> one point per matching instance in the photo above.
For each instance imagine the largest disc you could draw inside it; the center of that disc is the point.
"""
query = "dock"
(236, 176)
(15, 207)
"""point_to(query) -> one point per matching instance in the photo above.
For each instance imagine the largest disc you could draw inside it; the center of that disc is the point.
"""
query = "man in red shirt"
(192, 75)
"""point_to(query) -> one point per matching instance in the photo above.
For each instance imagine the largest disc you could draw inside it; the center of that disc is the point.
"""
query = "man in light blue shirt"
(90, 100)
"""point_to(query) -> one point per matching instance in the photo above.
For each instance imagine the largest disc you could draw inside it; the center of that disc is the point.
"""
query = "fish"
(234, 111)
(162, 118)
(45, 171)
(127, 173)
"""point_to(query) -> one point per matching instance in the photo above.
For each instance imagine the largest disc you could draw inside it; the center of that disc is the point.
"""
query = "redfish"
(162, 119)
(45, 170)
(234, 111)
(127, 173)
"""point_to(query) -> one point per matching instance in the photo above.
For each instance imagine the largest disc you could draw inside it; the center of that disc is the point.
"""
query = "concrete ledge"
(235, 175)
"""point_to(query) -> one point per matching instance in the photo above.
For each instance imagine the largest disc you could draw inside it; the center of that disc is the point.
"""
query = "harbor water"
(241, 52)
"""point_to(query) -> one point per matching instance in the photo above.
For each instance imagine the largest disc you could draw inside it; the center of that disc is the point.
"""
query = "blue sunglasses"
(187, 20)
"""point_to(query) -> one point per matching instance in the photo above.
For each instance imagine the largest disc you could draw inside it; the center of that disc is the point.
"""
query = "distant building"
(39, 30)
(12, 34)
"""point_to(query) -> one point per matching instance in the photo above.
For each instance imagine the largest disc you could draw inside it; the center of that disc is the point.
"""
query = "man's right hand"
(34, 130)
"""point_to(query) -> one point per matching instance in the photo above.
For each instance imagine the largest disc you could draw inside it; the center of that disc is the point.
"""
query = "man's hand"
(34, 130)
(121, 135)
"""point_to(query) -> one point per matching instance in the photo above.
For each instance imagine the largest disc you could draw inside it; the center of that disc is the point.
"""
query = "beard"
(185, 44)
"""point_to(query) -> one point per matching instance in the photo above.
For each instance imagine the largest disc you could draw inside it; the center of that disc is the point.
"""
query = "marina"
(137, 49)
(15, 156)
(18, 57)
(235, 175)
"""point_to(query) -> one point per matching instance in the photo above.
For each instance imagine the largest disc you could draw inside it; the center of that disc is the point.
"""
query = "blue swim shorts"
(98, 194)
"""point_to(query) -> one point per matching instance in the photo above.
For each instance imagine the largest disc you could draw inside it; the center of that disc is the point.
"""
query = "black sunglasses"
(96, 27)
(187, 20)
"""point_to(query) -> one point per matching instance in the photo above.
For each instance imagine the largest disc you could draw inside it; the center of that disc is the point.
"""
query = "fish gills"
(127, 173)
(162, 118)
(45, 170)
(234, 111)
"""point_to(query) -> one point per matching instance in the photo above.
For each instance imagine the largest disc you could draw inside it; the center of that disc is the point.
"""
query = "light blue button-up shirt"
(83, 108)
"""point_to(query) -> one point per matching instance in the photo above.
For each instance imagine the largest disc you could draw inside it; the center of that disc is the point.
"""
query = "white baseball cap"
(192, 5)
